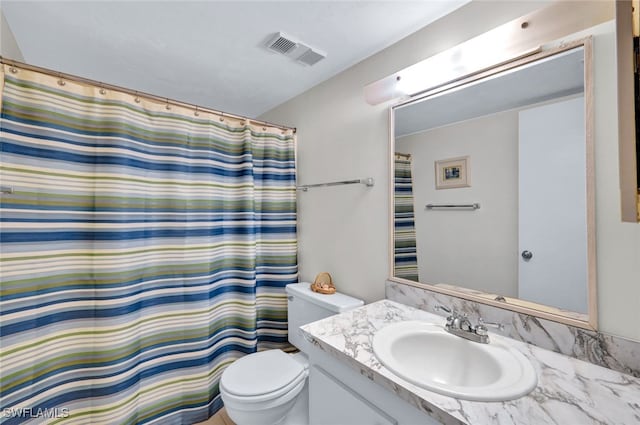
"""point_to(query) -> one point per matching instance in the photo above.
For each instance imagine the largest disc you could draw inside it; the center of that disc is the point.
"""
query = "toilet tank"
(305, 306)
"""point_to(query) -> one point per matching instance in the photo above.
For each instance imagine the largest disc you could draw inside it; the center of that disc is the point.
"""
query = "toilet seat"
(263, 376)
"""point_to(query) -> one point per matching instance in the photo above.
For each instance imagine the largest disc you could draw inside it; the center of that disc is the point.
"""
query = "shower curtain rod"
(196, 108)
(406, 155)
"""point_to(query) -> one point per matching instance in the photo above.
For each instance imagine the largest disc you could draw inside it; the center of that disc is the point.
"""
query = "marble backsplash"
(616, 353)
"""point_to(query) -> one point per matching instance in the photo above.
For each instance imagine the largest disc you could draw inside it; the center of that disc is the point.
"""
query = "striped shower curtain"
(405, 251)
(144, 248)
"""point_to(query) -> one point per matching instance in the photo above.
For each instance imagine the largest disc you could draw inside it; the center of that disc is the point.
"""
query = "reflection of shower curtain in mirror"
(145, 247)
(405, 253)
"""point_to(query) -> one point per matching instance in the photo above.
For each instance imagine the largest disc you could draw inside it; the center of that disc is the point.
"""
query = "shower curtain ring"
(61, 82)
(102, 90)
(168, 107)
(137, 98)
(221, 116)
(196, 113)
(13, 69)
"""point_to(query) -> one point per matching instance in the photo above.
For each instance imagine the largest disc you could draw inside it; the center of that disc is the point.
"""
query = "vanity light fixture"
(482, 52)
(516, 39)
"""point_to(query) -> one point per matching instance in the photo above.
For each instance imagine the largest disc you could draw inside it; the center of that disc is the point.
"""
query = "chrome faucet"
(459, 325)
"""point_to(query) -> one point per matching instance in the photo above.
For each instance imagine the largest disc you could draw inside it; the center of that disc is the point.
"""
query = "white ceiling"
(555, 76)
(211, 53)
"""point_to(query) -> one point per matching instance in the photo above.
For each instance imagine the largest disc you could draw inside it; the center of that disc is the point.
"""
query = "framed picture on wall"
(452, 173)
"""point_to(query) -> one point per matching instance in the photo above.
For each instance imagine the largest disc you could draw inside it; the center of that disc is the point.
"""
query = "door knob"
(527, 255)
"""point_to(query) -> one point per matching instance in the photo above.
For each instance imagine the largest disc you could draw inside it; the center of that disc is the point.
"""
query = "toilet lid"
(261, 373)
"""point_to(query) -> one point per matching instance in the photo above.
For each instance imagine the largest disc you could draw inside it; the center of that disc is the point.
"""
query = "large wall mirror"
(493, 195)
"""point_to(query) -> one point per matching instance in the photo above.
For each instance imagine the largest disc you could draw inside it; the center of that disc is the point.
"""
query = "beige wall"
(8, 46)
(343, 230)
(617, 243)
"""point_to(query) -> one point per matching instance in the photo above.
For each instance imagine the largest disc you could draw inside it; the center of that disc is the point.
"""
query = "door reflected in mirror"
(520, 228)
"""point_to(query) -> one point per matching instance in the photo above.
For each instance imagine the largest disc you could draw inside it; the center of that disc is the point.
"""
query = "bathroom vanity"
(348, 384)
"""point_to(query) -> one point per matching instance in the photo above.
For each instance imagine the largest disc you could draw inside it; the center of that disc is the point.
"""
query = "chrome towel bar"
(474, 206)
(369, 182)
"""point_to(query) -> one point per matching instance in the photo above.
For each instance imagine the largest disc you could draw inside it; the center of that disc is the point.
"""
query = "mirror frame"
(585, 321)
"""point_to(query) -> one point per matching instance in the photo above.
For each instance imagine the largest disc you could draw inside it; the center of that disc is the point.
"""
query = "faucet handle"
(452, 314)
(485, 325)
(449, 310)
(444, 308)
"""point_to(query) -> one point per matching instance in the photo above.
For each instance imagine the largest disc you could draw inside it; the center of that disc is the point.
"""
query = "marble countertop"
(569, 391)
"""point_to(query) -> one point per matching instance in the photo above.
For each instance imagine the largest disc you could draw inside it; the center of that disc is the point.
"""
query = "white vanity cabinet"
(336, 404)
(338, 395)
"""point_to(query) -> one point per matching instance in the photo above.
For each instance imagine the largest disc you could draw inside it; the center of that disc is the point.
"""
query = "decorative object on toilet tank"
(323, 284)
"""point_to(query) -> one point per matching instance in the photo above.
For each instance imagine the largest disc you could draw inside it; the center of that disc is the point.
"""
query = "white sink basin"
(428, 356)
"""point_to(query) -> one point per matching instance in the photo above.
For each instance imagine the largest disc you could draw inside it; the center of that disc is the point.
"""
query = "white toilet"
(270, 387)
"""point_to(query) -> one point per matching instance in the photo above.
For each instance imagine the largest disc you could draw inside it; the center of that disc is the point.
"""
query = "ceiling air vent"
(281, 44)
(311, 57)
(301, 53)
